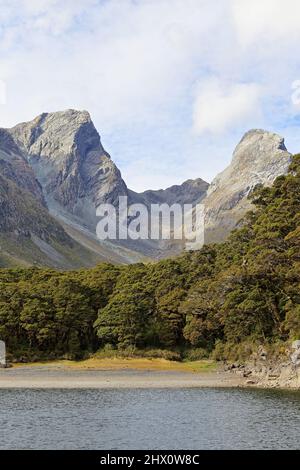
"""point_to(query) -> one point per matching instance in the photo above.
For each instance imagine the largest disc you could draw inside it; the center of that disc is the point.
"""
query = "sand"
(118, 375)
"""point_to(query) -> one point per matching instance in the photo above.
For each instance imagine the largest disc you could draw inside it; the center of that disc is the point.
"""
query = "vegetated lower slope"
(30, 235)
(243, 291)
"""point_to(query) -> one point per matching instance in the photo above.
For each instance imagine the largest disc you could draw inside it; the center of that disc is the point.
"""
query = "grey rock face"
(77, 174)
(59, 159)
(189, 192)
(22, 205)
(65, 152)
(259, 158)
(29, 234)
(2, 354)
(295, 356)
(14, 166)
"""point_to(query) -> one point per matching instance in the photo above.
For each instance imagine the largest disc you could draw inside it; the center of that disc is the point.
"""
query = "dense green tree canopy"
(247, 288)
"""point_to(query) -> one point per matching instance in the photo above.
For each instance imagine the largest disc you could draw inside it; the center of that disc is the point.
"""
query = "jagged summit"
(65, 151)
(259, 139)
(53, 172)
(57, 134)
(259, 158)
(189, 192)
(58, 160)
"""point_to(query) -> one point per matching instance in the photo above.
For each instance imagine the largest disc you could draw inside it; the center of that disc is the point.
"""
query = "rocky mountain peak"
(258, 143)
(259, 158)
(65, 151)
(61, 131)
(55, 165)
(58, 159)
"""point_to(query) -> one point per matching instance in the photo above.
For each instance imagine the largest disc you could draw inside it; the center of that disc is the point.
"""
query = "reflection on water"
(149, 419)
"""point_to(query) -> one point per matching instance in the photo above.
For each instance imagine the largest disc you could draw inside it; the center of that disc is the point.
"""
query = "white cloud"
(2, 92)
(258, 20)
(151, 70)
(47, 16)
(219, 108)
(122, 60)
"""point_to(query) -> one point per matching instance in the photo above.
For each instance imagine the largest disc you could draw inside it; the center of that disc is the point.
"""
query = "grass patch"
(152, 364)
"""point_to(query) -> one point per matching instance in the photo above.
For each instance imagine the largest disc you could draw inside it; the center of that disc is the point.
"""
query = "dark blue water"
(149, 419)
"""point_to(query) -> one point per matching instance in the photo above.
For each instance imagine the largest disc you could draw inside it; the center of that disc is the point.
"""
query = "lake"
(149, 419)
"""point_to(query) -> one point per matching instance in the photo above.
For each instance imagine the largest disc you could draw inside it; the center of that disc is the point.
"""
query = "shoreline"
(46, 379)
(133, 373)
(116, 373)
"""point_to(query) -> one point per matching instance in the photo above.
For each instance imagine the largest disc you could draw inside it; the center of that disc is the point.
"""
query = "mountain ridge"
(59, 160)
(258, 159)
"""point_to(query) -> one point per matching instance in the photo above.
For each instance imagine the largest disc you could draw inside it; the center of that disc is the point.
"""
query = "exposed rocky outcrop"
(55, 172)
(259, 158)
(76, 175)
(265, 370)
(29, 232)
(23, 212)
(14, 166)
(189, 192)
(66, 154)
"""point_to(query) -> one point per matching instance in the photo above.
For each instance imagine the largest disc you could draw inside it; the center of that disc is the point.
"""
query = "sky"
(171, 85)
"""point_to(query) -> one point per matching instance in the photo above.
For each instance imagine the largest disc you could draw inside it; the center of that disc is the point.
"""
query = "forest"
(208, 303)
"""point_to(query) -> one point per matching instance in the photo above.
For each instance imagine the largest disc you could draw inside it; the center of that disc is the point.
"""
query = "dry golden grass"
(130, 363)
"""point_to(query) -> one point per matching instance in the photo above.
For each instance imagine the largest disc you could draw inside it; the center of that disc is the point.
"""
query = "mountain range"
(54, 172)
